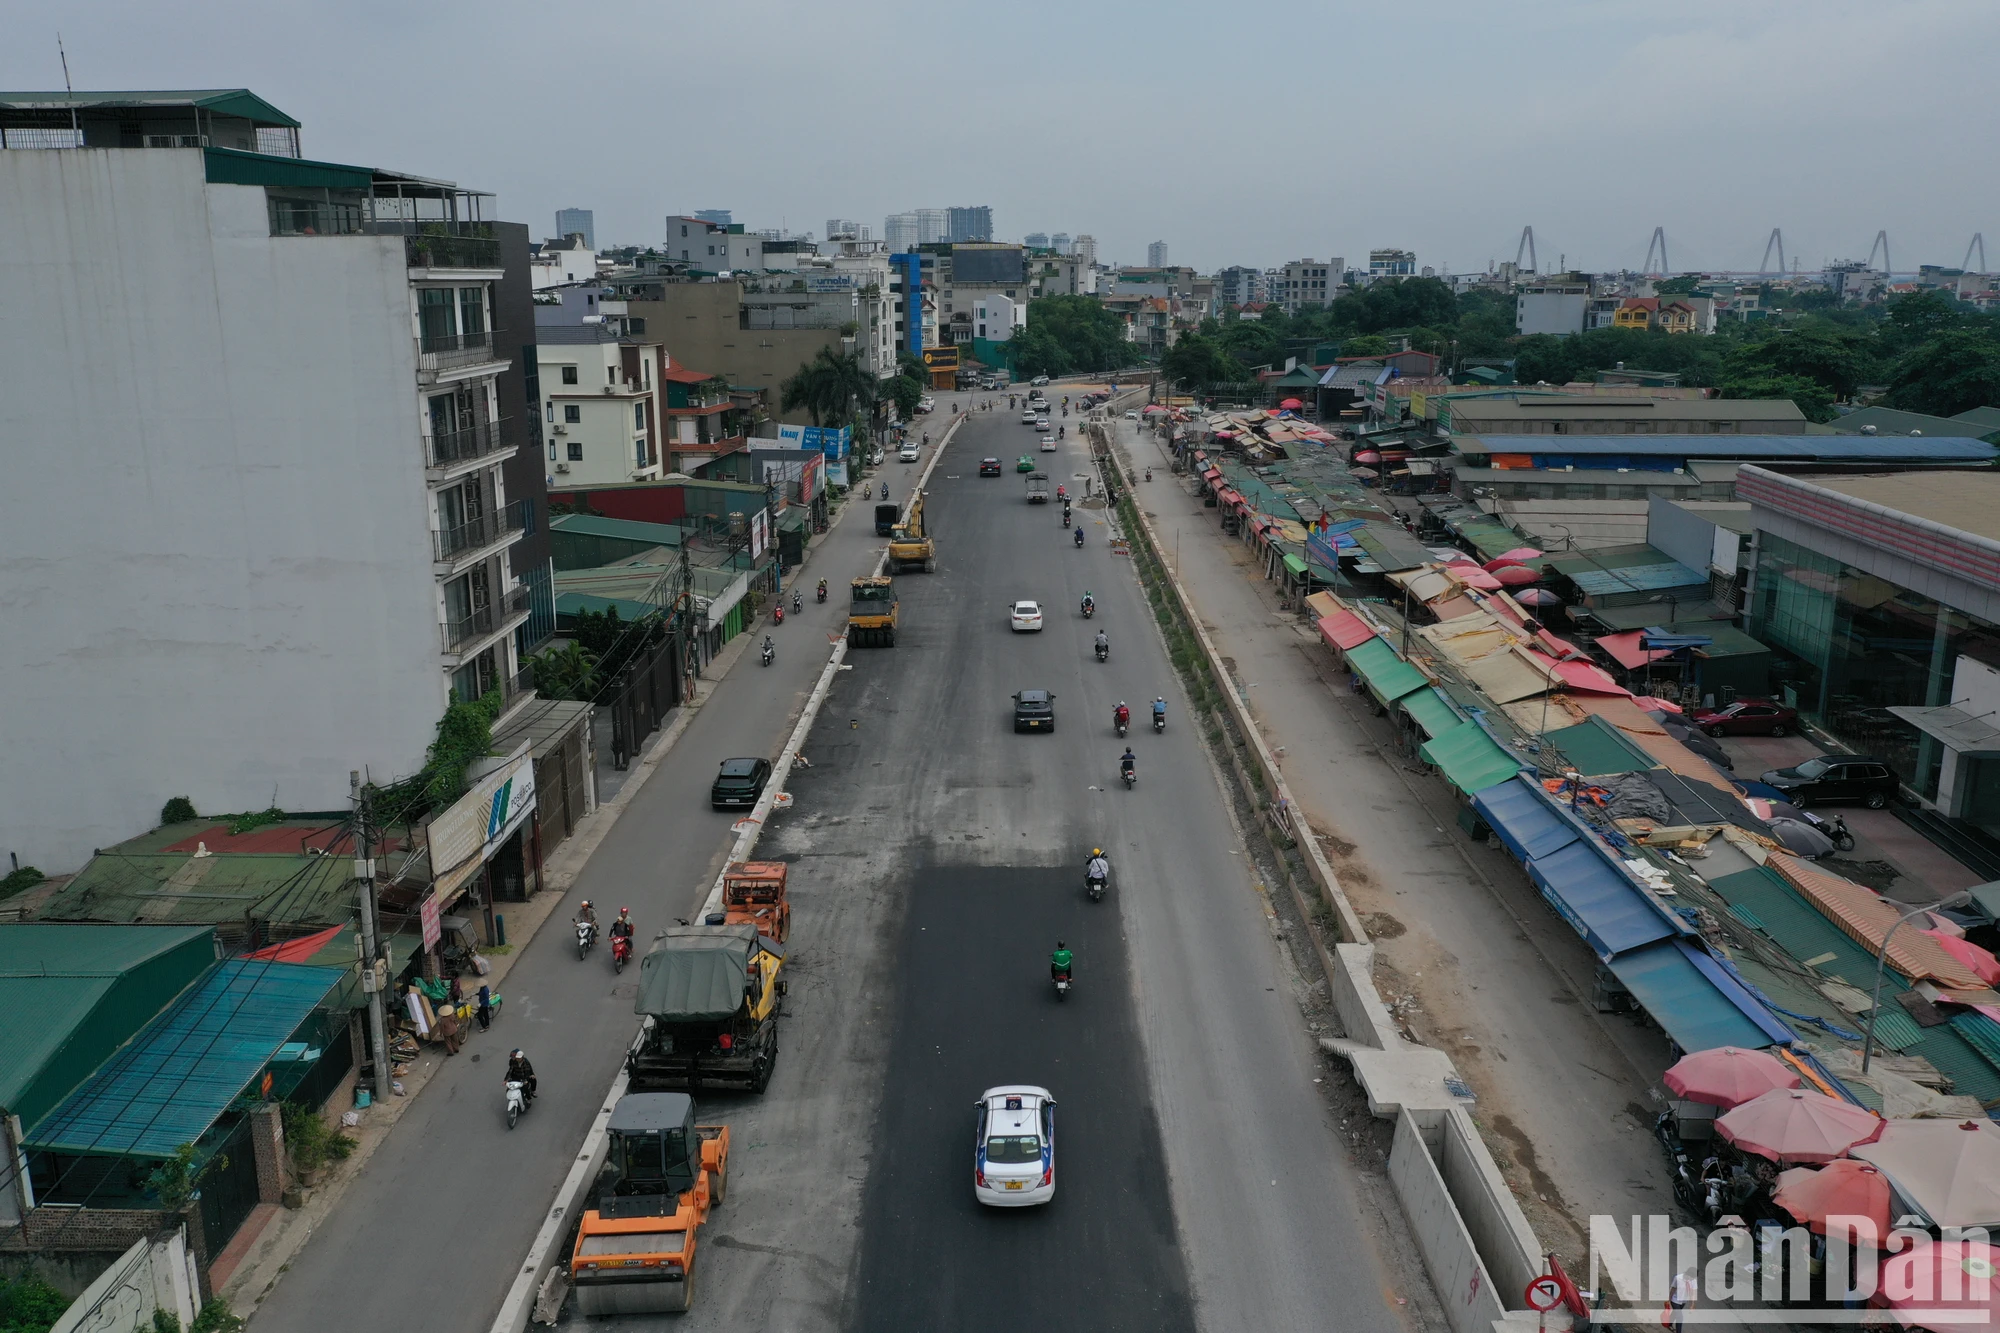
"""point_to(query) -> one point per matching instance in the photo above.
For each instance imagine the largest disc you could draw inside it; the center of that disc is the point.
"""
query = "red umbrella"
(1520, 553)
(1500, 562)
(1728, 1076)
(1798, 1125)
(1290, 405)
(1654, 704)
(1516, 576)
(1367, 456)
(1951, 1285)
(1841, 1188)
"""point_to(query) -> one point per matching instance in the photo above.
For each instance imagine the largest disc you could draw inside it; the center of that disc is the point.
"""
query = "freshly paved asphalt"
(936, 858)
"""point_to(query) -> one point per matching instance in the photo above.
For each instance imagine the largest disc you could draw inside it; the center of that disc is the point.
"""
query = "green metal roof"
(1469, 759)
(222, 101)
(176, 1079)
(591, 525)
(1388, 675)
(72, 994)
(1430, 711)
(1595, 746)
(223, 888)
(232, 166)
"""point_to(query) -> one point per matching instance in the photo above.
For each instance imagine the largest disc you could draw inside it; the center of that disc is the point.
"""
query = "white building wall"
(215, 559)
(1550, 312)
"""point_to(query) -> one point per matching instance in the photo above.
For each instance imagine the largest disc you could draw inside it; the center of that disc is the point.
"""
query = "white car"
(1014, 1154)
(1042, 424)
(1039, 380)
(1048, 444)
(1026, 616)
(1131, 416)
(1027, 416)
(926, 404)
(909, 453)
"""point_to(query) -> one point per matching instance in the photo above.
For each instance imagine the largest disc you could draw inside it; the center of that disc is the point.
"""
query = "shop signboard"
(941, 358)
(472, 828)
(1417, 404)
(760, 532)
(433, 930)
(834, 442)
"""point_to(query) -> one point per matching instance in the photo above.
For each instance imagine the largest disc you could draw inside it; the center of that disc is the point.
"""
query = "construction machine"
(871, 613)
(910, 543)
(710, 996)
(753, 893)
(635, 1243)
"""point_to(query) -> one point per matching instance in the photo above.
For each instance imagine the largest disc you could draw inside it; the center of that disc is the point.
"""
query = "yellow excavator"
(910, 541)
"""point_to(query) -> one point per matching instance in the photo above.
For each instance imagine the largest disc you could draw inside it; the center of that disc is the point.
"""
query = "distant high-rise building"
(1238, 286)
(1085, 248)
(1391, 264)
(1156, 255)
(931, 226)
(1036, 240)
(715, 216)
(837, 228)
(973, 223)
(1060, 242)
(571, 221)
(899, 230)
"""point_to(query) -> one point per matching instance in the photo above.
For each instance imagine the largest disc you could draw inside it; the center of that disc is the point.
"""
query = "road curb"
(542, 1255)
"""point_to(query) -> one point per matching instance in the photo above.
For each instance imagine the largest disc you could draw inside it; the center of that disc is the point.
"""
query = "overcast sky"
(1249, 132)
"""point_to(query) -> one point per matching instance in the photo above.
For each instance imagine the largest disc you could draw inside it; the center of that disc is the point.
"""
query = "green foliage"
(905, 392)
(1923, 316)
(1814, 399)
(174, 1181)
(569, 672)
(311, 1144)
(30, 1305)
(165, 1321)
(216, 1317)
(1367, 344)
(1830, 357)
(1076, 331)
(613, 641)
(251, 820)
(15, 881)
(177, 810)
(1680, 286)
(832, 388)
(1197, 360)
(1951, 373)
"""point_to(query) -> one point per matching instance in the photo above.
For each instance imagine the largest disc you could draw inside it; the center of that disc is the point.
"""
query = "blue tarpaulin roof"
(1926, 448)
(169, 1084)
(1695, 999)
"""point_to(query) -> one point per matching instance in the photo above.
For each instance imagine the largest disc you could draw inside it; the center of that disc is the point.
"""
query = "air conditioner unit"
(611, 388)
(562, 467)
(562, 430)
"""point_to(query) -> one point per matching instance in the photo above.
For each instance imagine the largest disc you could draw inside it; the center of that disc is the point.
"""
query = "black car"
(739, 783)
(1837, 777)
(1034, 710)
(989, 467)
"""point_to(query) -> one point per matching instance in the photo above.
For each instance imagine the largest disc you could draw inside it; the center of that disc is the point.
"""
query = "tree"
(566, 673)
(1813, 398)
(1036, 351)
(832, 388)
(1920, 317)
(1254, 342)
(1829, 357)
(1089, 336)
(1197, 360)
(1367, 344)
(805, 391)
(1951, 373)
(905, 393)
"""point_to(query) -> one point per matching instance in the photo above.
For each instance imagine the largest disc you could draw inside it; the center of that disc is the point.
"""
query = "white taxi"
(1026, 616)
(1014, 1152)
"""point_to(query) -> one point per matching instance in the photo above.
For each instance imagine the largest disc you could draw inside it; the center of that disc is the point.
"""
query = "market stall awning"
(1528, 825)
(1296, 566)
(1345, 630)
(1958, 729)
(1428, 709)
(1469, 759)
(1867, 918)
(1388, 676)
(1626, 652)
(173, 1081)
(1699, 1008)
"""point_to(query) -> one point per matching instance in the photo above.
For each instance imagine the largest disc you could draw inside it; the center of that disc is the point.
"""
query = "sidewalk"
(1469, 959)
(263, 1249)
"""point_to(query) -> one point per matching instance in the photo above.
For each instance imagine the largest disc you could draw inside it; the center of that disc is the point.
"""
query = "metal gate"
(646, 689)
(229, 1189)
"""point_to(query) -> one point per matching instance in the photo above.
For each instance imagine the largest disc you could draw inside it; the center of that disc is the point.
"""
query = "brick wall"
(267, 1141)
(53, 1231)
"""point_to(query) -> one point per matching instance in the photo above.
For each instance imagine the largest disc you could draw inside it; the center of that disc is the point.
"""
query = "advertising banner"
(467, 833)
(428, 913)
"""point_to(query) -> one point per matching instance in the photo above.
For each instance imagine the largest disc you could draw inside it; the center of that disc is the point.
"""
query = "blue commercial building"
(571, 221)
(909, 282)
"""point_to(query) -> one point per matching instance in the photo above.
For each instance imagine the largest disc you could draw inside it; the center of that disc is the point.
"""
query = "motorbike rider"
(587, 912)
(1121, 714)
(885, 490)
(1126, 762)
(1079, 534)
(822, 590)
(520, 1071)
(770, 649)
(797, 606)
(1089, 603)
(622, 927)
(1159, 710)
(1098, 868)
(1104, 647)
(1061, 962)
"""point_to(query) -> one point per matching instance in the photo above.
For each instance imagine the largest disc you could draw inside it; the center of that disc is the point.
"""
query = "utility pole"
(374, 977)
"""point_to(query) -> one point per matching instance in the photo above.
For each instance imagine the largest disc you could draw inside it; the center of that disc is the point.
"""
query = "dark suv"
(1034, 710)
(739, 783)
(1836, 777)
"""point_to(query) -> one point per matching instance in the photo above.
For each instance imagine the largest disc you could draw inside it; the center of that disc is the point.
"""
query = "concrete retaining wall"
(1496, 1224)
(1465, 1289)
(155, 1274)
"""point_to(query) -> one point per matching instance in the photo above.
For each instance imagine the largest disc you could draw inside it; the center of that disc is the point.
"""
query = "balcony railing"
(462, 446)
(432, 250)
(485, 620)
(449, 351)
(482, 531)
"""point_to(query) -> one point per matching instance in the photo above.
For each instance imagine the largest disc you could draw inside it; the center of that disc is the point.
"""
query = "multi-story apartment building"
(274, 546)
(899, 232)
(1085, 249)
(933, 226)
(1036, 240)
(601, 392)
(1391, 264)
(845, 229)
(697, 242)
(577, 222)
(1304, 282)
(1060, 243)
(1156, 255)
(1239, 286)
(974, 223)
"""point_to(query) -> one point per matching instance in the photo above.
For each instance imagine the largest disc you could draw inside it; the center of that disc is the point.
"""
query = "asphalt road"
(936, 859)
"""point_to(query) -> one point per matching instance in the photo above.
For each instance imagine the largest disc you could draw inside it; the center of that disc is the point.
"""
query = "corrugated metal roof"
(175, 1080)
(1924, 448)
(1637, 578)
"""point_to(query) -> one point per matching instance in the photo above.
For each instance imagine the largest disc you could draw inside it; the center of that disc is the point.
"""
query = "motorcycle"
(621, 952)
(1104, 655)
(797, 605)
(1159, 722)
(821, 594)
(769, 653)
(1120, 723)
(517, 1100)
(1094, 887)
(1061, 980)
(1835, 830)
(1089, 609)
(586, 935)
(1149, 474)
(777, 613)
(1079, 537)
(1131, 775)
(885, 490)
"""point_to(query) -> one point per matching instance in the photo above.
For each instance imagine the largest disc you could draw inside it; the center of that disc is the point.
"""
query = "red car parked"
(1748, 717)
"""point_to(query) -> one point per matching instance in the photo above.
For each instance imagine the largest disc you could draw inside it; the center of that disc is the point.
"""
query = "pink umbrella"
(1516, 576)
(1520, 553)
(1950, 1285)
(1368, 456)
(1728, 1076)
(1500, 562)
(1654, 704)
(1291, 405)
(1841, 1188)
(1798, 1125)
(1965, 951)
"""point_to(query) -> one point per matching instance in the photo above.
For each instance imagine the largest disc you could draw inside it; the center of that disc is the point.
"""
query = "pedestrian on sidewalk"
(1680, 1295)
(484, 1011)
(448, 1030)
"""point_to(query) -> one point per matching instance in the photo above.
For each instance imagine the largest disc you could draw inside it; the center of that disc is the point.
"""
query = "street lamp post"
(1868, 1037)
